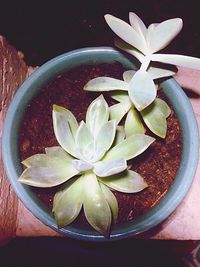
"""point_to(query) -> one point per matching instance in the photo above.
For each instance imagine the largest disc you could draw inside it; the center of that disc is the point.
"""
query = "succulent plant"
(90, 162)
(139, 87)
(154, 116)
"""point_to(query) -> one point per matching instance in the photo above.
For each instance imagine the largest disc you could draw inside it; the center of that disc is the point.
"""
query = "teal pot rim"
(177, 190)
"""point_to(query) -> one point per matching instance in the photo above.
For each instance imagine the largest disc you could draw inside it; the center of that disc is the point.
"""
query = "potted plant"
(83, 162)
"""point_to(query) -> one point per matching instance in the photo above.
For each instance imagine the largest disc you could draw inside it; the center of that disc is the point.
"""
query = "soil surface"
(158, 165)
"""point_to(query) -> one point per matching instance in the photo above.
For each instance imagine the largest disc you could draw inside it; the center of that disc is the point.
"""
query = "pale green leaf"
(138, 24)
(142, 90)
(119, 136)
(133, 124)
(157, 73)
(178, 60)
(112, 201)
(128, 75)
(84, 137)
(150, 31)
(155, 120)
(120, 96)
(126, 182)
(96, 208)
(130, 147)
(40, 160)
(129, 49)
(103, 169)
(159, 36)
(73, 124)
(97, 115)
(102, 84)
(67, 203)
(98, 154)
(106, 135)
(154, 72)
(46, 160)
(87, 153)
(163, 106)
(62, 130)
(118, 110)
(59, 152)
(47, 172)
(81, 165)
(126, 33)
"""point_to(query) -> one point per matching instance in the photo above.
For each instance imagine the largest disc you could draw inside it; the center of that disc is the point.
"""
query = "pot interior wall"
(92, 56)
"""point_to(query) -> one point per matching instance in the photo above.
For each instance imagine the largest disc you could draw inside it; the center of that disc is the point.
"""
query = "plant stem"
(145, 63)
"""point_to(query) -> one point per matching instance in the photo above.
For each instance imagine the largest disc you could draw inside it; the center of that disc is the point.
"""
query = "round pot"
(30, 87)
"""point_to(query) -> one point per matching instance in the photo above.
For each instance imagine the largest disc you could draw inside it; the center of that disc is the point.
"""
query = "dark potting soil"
(158, 164)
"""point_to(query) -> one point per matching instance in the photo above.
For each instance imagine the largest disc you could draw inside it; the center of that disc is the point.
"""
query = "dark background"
(44, 29)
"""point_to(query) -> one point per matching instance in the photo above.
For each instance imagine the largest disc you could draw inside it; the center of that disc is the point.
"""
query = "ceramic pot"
(62, 63)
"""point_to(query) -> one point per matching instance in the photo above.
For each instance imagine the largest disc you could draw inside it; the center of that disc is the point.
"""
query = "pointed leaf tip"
(97, 115)
(96, 208)
(137, 24)
(112, 201)
(65, 126)
(131, 147)
(126, 32)
(67, 203)
(159, 36)
(126, 182)
(155, 118)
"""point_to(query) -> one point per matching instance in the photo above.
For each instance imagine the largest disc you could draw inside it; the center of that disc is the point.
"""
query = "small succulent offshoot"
(139, 87)
(90, 162)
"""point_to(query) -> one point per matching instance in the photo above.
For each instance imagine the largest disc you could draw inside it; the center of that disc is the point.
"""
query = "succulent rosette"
(139, 87)
(91, 162)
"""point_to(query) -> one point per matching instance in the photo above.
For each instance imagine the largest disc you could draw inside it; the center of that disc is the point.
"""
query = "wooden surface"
(16, 220)
(13, 72)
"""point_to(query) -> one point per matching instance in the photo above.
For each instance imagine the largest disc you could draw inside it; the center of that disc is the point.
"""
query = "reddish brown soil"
(158, 165)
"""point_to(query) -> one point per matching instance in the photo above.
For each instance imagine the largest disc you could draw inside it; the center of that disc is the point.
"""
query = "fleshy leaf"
(120, 96)
(119, 136)
(128, 75)
(138, 24)
(83, 137)
(47, 171)
(97, 115)
(133, 124)
(131, 147)
(68, 202)
(57, 151)
(62, 129)
(112, 201)
(41, 160)
(157, 73)
(126, 182)
(118, 111)
(155, 120)
(129, 49)
(154, 72)
(101, 84)
(179, 60)
(81, 165)
(98, 154)
(160, 36)
(162, 105)
(96, 208)
(70, 118)
(106, 135)
(142, 90)
(126, 32)
(103, 169)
